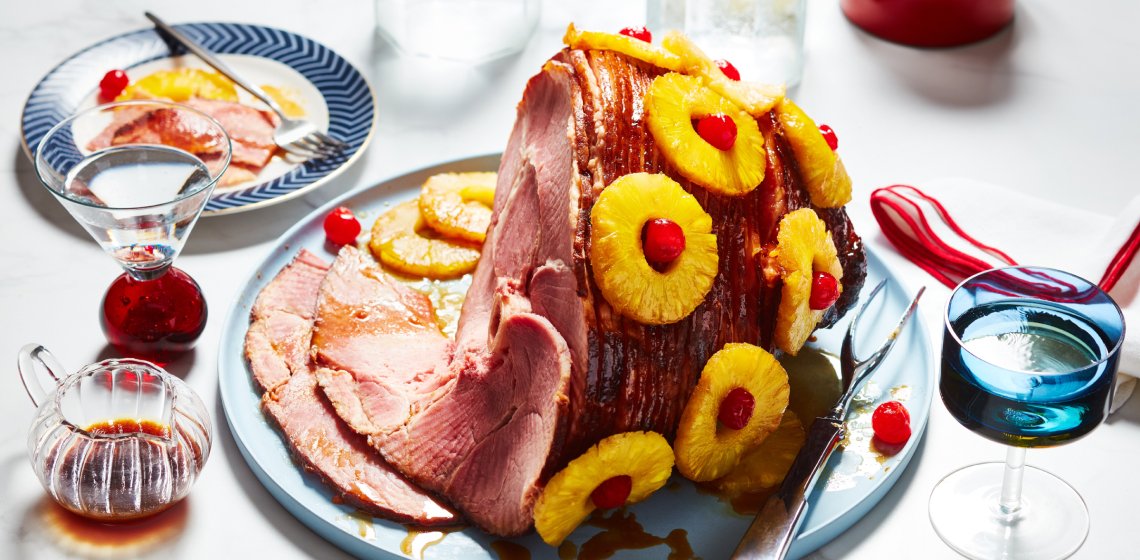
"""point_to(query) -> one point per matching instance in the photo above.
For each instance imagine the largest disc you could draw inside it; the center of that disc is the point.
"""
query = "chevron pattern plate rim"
(350, 99)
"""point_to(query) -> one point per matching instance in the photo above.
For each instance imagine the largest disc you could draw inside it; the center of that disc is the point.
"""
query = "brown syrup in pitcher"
(156, 464)
(129, 426)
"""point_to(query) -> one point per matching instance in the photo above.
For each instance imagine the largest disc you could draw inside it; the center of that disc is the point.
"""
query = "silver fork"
(772, 531)
(298, 137)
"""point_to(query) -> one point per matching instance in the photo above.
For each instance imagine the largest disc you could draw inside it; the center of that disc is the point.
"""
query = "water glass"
(764, 39)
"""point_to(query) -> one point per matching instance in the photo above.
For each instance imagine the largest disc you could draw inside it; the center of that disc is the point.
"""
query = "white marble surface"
(1047, 107)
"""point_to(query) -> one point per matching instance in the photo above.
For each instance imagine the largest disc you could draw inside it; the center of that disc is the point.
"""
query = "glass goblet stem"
(1011, 481)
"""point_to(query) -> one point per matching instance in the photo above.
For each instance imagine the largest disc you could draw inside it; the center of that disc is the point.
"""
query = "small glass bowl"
(117, 440)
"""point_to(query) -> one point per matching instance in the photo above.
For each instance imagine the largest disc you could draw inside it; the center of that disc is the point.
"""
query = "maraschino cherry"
(637, 33)
(824, 291)
(728, 70)
(718, 130)
(662, 241)
(829, 136)
(736, 408)
(613, 492)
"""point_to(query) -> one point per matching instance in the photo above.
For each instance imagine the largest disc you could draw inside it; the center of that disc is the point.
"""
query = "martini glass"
(136, 176)
(1029, 359)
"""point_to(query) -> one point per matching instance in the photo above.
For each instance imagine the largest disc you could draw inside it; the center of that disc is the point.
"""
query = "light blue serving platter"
(849, 486)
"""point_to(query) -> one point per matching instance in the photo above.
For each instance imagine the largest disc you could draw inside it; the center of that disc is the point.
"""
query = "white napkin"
(1039, 232)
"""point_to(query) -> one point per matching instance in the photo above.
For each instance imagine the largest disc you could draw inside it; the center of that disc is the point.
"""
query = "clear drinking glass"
(117, 440)
(1029, 359)
(136, 176)
(472, 31)
(764, 39)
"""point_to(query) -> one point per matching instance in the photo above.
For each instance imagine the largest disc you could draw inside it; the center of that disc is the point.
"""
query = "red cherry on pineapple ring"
(718, 130)
(728, 70)
(341, 226)
(829, 136)
(112, 84)
(824, 291)
(662, 241)
(891, 423)
(637, 33)
(613, 492)
(736, 408)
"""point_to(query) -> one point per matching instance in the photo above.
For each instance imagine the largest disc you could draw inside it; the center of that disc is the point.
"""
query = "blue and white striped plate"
(272, 55)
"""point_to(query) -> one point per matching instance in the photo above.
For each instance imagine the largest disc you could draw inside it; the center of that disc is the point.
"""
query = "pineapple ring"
(565, 502)
(706, 451)
(803, 246)
(824, 176)
(401, 241)
(458, 205)
(756, 99)
(672, 103)
(180, 85)
(766, 465)
(625, 278)
(633, 48)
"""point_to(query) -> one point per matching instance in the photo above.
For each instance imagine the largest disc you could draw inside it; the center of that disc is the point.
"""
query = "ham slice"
(277, 347)
(250, 131)
(475, 426)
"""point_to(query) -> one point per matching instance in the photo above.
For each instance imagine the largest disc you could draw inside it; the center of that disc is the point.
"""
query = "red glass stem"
(154, 319)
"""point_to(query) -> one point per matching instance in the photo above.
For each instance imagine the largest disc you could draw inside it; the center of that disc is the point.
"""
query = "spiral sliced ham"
(541, 366)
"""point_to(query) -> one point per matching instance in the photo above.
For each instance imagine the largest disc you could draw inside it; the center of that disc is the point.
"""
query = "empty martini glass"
(136, 176)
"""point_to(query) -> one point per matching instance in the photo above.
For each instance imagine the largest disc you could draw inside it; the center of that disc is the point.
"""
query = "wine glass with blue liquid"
(1029, 358)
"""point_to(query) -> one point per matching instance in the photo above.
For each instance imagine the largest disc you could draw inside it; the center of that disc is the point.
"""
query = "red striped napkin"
(958, 234)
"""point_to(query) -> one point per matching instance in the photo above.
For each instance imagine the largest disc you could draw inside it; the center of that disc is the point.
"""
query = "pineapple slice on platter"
(621, 469)
(755, 99)
(627, 280)
(401, 241)
(826, 179)
(765, 466)
(673, 103)
(634, 48)
(180, 85)
(738, 401)
(458, 205)
(803, 247)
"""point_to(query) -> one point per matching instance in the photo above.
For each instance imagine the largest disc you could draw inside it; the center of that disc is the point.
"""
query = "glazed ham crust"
(630, 376)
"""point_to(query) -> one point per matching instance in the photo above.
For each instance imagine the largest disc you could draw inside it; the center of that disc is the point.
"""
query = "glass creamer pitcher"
(117, 440)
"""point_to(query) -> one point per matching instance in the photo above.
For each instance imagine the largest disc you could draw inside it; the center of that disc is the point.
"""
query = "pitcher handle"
(29, 355)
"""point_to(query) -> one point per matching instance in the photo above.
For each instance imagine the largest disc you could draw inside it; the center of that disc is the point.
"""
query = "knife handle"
(771, 532)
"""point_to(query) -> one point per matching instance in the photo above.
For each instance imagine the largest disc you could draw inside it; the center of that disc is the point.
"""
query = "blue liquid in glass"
(1027, 374)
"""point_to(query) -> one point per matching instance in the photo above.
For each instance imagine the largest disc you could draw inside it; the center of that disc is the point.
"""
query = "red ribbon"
(905, 225)
(917, 240)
